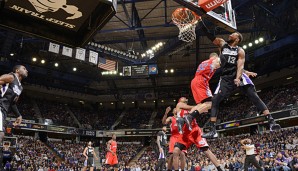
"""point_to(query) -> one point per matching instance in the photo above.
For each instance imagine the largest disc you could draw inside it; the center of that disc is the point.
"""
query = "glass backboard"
(223, 16)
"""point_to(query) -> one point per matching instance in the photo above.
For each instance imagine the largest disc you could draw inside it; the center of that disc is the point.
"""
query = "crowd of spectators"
(276, 151)
(135, 118)
(32, 154)
(93, 119)
(271, 148)
(25, 108)
(71, 152)
(278, 98)
(56, 112)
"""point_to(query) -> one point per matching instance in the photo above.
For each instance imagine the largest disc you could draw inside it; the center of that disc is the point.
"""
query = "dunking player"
(111, 157)
(161, 143)
(193, 136)
(11, 89)
(232, 63)
(89, 153)
(174, 137)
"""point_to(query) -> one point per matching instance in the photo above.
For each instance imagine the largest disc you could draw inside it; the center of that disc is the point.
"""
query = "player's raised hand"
(168, 109)
(18, 121)
(237, 82)
(251, 74)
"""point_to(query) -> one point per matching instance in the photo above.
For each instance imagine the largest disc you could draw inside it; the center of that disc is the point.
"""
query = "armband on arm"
(15, 110)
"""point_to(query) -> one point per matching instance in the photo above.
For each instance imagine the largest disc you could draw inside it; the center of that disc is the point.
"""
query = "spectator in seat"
(294, 162)
(281, 163)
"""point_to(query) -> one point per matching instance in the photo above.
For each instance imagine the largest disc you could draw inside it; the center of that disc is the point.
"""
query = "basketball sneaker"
(211, 134)
(188, 119)
(273, 126)
(180, 123)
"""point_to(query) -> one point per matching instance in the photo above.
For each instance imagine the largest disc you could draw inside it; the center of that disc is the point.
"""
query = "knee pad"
(204, 149)
(180, 146)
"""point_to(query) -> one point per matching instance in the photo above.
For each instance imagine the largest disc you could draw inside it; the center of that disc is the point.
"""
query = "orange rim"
(196, 16)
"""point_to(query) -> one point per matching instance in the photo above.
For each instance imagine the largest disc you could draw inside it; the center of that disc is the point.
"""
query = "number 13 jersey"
(229, 58)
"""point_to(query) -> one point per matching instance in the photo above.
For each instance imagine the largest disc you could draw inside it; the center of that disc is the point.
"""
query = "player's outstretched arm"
(184, 106)
(19, 119)
(219, 42)
(165, 118)
(240, 66)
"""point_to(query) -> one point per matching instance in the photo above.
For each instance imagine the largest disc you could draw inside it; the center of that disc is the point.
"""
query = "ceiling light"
(261, 39)
(11, 54)
(34, 59)
(56, 64)
(121, 74)
(123, 102)
(74, 69)
(256, 41)
(132, 102)
(100, 104)
(162, 101)
(250, 44)
(172, 70)
(166, 71)
(289, 78)
(244, 47)
(43, 61)
(112, 103)
(174, 100)
(144, 101)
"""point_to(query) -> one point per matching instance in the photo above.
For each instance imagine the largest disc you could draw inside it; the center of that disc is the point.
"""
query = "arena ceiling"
(140, 24)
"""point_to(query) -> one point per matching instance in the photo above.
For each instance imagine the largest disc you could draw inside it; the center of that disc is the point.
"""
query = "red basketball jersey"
(205, 70)
(174, 128)
(113, 146)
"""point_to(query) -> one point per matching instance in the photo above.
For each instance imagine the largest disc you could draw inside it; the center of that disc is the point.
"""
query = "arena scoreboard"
(140, 70)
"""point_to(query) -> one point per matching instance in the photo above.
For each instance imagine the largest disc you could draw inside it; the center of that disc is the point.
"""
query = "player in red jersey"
(193, 136)
(174, 137)
(200, 84)
(111, 157)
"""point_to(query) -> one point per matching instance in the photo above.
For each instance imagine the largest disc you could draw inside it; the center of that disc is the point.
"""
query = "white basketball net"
(186, 21)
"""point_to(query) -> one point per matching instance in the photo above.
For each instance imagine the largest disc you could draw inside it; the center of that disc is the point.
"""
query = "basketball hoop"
(186, 20)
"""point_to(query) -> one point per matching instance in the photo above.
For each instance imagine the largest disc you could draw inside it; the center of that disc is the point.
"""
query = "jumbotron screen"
(139, 70)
